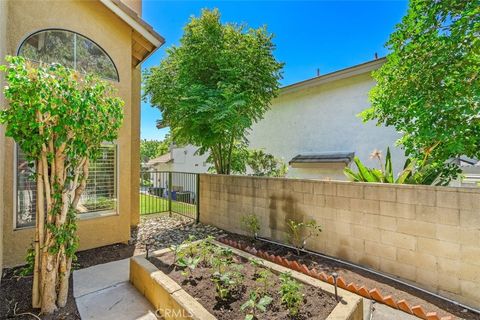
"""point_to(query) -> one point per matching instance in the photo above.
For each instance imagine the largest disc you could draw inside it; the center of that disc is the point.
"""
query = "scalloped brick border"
(374, 293)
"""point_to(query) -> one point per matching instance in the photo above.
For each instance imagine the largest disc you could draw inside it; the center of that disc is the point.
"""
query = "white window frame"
(82, 216)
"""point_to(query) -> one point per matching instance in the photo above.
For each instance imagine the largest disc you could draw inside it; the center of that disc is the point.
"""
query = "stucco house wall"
(3, 40)
(323, 118)
(96, 22)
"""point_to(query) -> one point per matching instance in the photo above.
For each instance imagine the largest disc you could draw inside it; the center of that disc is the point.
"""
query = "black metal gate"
(166, 191)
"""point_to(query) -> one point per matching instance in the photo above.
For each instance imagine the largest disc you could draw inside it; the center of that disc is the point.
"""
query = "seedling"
(189, 264)
(176, 249)
(256, 264)
(205, 250)
(254, 304)
(263, 280)
(300, 232)
(251, 224)
(226, 281)
(291, 295)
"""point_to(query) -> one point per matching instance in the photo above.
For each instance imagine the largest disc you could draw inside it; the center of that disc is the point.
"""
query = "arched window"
(69, 49)
(77, 52)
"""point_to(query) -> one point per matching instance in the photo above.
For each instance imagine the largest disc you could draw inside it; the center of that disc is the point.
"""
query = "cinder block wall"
(426, 235)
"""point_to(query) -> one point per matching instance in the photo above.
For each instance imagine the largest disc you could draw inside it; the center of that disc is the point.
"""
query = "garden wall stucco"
(95, 21)
(425, 235)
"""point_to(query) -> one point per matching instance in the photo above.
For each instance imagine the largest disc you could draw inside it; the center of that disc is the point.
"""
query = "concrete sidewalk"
(104, 292)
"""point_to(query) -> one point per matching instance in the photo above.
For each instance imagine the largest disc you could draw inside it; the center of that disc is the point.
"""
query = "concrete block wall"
(426, 235)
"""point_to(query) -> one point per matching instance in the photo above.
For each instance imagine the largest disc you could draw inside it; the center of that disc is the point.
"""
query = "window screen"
(99, 195)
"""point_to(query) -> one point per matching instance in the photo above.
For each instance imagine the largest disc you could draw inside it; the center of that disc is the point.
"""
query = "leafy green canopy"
(429, 87)
(150, 149)
(215, 85)
(53, 104)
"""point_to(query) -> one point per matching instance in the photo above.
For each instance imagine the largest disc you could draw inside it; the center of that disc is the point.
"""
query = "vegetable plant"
(189, 264)
(264, 281)
(254, 304)
(300, 232)
(205, 250)
(227, 280)
(251, 224)
(256, 264)
(290, 291)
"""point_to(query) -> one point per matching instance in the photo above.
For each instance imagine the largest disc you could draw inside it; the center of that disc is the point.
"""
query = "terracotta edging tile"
(374, 293)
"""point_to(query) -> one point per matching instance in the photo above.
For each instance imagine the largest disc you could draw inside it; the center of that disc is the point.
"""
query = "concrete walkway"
(377, 311)
(104, 292)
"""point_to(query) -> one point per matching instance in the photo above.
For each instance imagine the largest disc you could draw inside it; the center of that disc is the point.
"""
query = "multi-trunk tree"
(59, 119)
(215, 85)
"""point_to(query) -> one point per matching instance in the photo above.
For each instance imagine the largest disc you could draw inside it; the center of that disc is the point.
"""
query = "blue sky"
(328, 35)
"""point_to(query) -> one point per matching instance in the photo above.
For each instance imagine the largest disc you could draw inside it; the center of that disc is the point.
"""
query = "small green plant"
(290, 291)
(30, 260)
(206, 250)
(176, 249)
(264, 281)
(256, 264)
(300, 232)
(254, 304)
(189, 264)
(227, 280)
(251, 224)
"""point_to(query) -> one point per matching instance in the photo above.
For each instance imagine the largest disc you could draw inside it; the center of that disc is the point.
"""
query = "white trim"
(333, 76)
(130, 21)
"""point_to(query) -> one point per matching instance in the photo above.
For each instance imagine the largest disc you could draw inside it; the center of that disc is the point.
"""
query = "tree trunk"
(36, 295)
(64, 269)
(49, 282)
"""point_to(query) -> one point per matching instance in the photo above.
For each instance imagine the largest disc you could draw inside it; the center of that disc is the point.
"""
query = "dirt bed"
(15, 291)
(370, 280)
(318, 304)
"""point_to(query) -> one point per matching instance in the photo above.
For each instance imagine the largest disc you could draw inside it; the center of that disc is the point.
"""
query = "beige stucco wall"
(3, 38)
(426, 235)
(324, 118)
(93, 20)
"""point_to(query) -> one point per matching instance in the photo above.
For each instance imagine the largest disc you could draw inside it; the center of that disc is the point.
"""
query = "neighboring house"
(313, 125)
(180, 159)
(107, 37)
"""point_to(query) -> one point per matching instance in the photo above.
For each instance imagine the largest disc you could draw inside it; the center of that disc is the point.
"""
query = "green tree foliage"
(150, 149)
(265, 164)
(215, 85)
(59, 120)
(429, 87)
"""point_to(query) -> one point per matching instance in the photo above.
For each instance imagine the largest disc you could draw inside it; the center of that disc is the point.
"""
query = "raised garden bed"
(180, 293)
(386, 291)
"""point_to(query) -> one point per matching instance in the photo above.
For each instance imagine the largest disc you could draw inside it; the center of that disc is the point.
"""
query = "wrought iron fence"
(166, 191)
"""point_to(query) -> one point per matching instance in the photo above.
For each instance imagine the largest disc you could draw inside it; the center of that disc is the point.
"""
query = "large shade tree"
(59, 119)
(429, 87)
(215, 85)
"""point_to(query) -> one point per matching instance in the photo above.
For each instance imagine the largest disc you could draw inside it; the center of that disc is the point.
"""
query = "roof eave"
(334, 76)
(136, 23)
